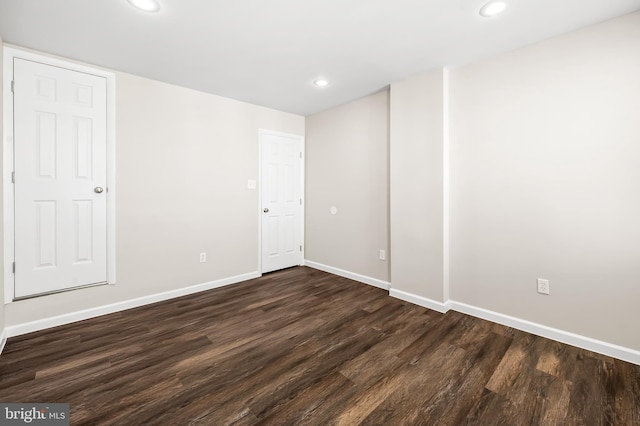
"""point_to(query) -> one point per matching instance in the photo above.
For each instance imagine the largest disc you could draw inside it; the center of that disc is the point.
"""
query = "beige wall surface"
(183, 159)
(347, 167)
(416, 159)
(545, 182)
(2, 314)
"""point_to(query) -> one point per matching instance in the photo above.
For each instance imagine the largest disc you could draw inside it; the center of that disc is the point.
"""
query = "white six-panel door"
(281, 194)
(60, 178)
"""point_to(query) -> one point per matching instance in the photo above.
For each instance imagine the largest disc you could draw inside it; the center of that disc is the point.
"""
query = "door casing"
(261, 133)
(9, 53)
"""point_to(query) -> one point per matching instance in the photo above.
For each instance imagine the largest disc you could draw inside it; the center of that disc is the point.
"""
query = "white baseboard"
(29, 327)
(583, 342)
(351, 275)
(609, 349)
(3, 340)
(442, 307)
(605, 348)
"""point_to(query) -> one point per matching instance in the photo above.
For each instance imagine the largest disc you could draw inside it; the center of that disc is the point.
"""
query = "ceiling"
(269, 52)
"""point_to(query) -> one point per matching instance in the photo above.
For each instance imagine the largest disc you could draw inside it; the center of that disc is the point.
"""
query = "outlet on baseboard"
(383, 255)
(543, 286)
(203, 257)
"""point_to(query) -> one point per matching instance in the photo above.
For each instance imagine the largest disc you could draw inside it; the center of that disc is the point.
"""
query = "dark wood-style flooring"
(302, 346)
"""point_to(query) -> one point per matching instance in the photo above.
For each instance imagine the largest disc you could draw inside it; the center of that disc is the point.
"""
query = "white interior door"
(60, 145)
(281, 193)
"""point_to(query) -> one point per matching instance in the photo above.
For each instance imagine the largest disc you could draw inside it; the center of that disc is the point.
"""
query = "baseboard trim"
(351, 275)
(604, 348)
(583, 342)
(3, 340)
(441, 307)
(598, 346)
(29, 327)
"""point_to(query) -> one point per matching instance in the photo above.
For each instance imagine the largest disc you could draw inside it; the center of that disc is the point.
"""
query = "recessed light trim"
(493, 8)
(145, 5)
(321, 82)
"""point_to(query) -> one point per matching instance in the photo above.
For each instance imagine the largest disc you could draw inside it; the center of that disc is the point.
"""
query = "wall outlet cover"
(543, 286)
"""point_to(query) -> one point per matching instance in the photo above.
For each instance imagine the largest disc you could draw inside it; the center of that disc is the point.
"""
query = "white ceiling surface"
(268, 52)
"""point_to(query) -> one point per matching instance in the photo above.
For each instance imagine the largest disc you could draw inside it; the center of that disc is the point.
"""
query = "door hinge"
(300, 201)
(300, 155)
(14, 267)
(13, 84)
(300, 249)
(13, 177)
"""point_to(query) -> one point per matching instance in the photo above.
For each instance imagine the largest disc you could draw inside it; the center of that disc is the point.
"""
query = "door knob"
(98, 189)
(266, 210)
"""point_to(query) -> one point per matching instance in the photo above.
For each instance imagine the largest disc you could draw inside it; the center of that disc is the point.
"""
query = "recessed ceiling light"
(321, 83)
(146, 5)
(493, 8)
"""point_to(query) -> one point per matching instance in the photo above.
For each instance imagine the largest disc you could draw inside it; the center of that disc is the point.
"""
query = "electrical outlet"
(543, 286)
(383, 255)
(203, 257)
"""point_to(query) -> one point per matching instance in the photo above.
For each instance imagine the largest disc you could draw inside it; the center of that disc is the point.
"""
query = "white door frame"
(261, 133)
(9, 53)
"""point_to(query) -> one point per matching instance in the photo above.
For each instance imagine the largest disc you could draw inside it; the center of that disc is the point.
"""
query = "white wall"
(347, 167)
(2, 314)
(183, 159)
(416, 158)
(546, 182)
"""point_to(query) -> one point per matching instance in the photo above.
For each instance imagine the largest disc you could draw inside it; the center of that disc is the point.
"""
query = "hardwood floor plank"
(491, 406)
(309, 406)
(326, 361)
(366, 401)
(455, 398)
(552, 396)
(303, 347)
(627, 393)
(426, 379)
(511, 367)
(592, 399)
(429, 341)
(550, 360)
